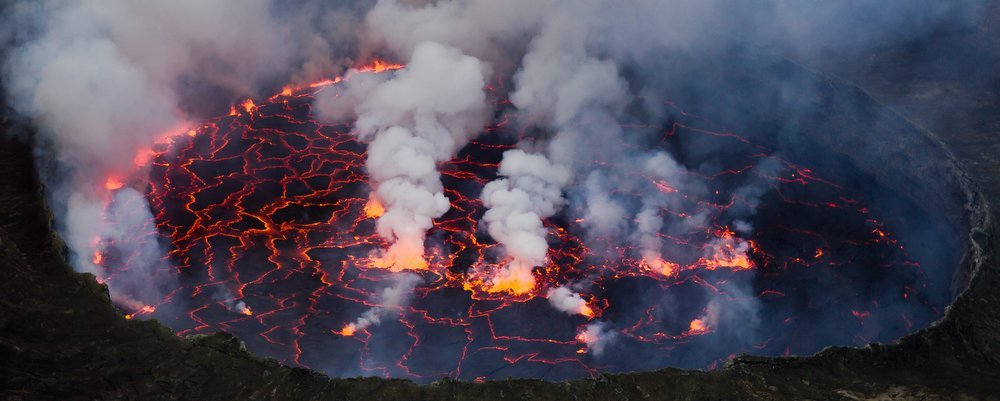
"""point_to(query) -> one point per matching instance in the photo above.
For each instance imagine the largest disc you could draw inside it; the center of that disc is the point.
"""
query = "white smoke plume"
(126, 228)
(663, 176)
(596, 336)
(565, 300)
(412, 121)
(104, 80)
(604, 216)
(558, 79)
(484, 29)
(530, 190)
(574, 95)
(749, 195)
(391, 298)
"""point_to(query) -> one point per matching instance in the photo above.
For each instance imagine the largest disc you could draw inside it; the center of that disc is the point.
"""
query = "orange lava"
(380, 66)
(729, 251)
(374, 208)
(661, 266)
(664, 187)
(247, 105)
(515, 279)
(698, 326)
(733, 261)
(113, 183)
(512, 285)
(145, 310)
(347, 331)
(399, 257)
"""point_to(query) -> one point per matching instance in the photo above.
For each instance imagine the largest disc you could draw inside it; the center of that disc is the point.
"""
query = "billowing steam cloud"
(105, 79)
(565, 300)
(596, 336)
(147, 273)
(558, 82)
(530, 192)
(413, 121)
(576, 95)
(664, 175)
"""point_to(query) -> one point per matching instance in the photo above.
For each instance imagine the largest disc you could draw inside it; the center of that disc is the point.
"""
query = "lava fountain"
(270, 223)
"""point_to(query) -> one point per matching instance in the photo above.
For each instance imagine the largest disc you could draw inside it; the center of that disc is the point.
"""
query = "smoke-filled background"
(106, 80)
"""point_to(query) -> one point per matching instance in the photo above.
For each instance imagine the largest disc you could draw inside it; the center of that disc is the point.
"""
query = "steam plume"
(389, 299)
(565, 300)
(104, 80)
(413, 121)
(597, 336)
(530, 192)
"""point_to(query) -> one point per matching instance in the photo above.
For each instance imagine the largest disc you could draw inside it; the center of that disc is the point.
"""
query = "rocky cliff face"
(60, 337)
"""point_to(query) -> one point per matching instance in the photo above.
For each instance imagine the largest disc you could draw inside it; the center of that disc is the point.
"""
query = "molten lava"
(378, 66)
(268, 209)
(113, 183)
(697, 327)
(399, 257)
(347, 331)
(374, 208)
(515, 279)
(656, 264)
